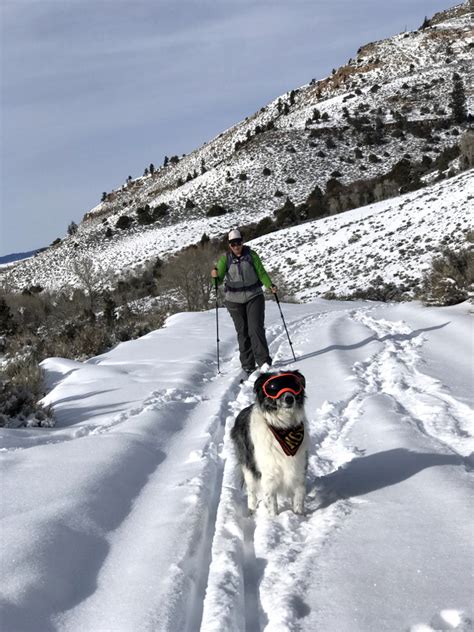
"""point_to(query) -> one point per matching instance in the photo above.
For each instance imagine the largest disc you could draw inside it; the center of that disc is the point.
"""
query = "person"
(243, 275)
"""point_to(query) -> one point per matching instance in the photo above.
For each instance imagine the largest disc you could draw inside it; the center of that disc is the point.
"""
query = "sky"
(93, 91)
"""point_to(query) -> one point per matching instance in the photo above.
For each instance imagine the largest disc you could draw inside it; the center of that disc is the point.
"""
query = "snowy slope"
(129, 515)
(409, 74)
(396, 239)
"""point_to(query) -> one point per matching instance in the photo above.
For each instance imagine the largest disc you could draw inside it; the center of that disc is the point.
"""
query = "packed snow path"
(129, 515)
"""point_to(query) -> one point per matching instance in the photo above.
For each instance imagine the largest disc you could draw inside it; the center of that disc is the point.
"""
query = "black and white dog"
(271, 441)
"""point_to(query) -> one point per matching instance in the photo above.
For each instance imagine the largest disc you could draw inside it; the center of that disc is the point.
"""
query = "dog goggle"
(275, 386)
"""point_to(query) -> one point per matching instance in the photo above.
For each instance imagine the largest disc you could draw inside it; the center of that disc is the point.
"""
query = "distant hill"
(16, 256)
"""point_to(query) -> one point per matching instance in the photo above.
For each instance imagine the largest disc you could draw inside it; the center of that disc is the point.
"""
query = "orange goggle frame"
(276, 385)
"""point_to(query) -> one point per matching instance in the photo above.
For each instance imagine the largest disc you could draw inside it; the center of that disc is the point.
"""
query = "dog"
(271, 441)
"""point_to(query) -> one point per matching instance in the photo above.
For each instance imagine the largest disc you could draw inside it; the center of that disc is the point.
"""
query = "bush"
(287, 215)
(188, 275)
(144, 216)
(216, 210)
(21, 386)
(378, 290)
(450, 279)
(124, 222)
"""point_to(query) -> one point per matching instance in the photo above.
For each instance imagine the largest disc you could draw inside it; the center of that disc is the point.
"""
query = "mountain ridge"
(386, 105)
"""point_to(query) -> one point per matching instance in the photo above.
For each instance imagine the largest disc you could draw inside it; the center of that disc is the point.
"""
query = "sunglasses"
(235, 242)
(275, 386)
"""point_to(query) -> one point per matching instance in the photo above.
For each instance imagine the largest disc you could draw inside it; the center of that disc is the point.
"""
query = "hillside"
(346, 134)
(394, 240)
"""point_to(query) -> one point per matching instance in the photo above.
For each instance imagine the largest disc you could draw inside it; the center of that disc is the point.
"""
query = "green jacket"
(243, 276)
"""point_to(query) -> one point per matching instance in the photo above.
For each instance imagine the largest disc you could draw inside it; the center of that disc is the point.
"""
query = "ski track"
(423, 400)
(262, 567)
(247, 590)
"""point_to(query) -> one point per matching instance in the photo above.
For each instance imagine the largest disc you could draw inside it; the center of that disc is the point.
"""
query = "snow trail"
(155, 534)
(274, 570)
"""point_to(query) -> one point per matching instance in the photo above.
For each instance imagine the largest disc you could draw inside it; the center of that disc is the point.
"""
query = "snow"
(129, 513)
(396, 238)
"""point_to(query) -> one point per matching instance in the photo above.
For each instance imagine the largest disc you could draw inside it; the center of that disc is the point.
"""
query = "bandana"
(290, 439)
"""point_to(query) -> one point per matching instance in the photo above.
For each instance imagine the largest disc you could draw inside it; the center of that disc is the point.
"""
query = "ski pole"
(217, 327)
(284, 324)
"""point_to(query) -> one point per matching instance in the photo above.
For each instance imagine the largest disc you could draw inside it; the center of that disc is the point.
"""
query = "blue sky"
(94, 90)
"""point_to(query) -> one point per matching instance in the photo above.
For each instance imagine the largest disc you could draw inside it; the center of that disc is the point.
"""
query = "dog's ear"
(260, 381)
(301, 376)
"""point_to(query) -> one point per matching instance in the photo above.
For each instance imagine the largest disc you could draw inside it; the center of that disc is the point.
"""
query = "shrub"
(160, 211)
(315, 203)
(287, 215)
(144, 215)
(124, 222)
(21, 386)
(450, 279)
(263, 227)
(8, 325)
(378, 290)
(216, 210)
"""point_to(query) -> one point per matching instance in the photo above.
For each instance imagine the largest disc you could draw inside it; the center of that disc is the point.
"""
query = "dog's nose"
(289, 399)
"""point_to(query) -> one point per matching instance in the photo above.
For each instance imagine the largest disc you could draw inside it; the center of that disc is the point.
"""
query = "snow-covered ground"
(397, 239)
(129, 515)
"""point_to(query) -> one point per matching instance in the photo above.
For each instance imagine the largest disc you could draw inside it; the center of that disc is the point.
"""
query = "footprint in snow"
(445, 620)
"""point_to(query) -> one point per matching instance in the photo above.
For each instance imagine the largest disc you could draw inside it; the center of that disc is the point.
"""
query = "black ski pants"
(249, 322)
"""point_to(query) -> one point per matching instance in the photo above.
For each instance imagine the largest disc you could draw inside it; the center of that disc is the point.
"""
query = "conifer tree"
(426, 24)
(7, 323)
(458, 99)
(72, 228)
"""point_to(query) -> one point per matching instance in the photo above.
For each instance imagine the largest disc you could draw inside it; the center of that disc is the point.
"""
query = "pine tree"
(151, 168)
(458, 99)
(426, 24)
(7, 323)
(104, 197)
(72, 228)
